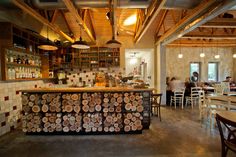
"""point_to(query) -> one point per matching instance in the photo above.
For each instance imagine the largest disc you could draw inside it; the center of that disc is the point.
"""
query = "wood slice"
(106, 95)
(44, 96)
(140, 108)
(32, 97)
(129, 115)
(117, 129)
(134, 128)
(77, 108)
(31, 104)
(100, 129)
(74, 97)
(46, 125)
(45, 108)
(139, 127)
(98, 101)
(128, 106)
(138, 122)
(52, 108)
(85, 108)
(106, 100)
(26, 109)
(66, 129)
(106, 129)
(132, 97)
(105, 104)
(68, 108)
(85, 95)
(58, 121)
(126, 94)
(91, 109)
(126, 121)
(119, 99)
(113, 100)
(140, 102)
(85, 102)
(126, 99)
(105, 109)
(36, 108)
(118, 109)
(133, 108)
(64, 96)
(111, 109)
(135, 103)
(111, 129)
(51, 119)
(137, 97)
(98, 108)
(116, 95)
(127, 128)
(68, 97)
(58, 109)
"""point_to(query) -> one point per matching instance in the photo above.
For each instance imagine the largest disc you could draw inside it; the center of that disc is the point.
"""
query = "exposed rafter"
(70, 6)
(213, 36)
(161, 22)
(54, 16)
(43, 20)
(67, 24)
(221, 23)
(201, 14)
(149, 19)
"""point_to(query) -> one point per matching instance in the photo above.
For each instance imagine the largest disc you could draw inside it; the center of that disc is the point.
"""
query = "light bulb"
(234, 55)
(133, 61)
(202, 55)
(180, 55)
(217, 56)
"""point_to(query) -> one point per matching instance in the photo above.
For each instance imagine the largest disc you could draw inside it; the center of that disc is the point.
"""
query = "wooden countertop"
(88, 89)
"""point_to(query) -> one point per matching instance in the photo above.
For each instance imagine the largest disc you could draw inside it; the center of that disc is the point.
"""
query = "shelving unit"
(14, 42)
(94, 57)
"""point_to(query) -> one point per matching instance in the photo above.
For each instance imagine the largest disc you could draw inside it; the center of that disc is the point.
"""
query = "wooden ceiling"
(179, 22)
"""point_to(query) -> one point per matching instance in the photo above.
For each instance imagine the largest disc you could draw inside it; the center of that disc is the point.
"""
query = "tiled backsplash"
(89, 75)
(10, 102)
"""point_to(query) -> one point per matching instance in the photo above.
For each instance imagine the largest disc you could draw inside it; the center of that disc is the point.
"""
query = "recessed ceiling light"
(130, 20)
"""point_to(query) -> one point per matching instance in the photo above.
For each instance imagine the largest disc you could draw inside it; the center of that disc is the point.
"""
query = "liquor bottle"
(13, 73)
(17, 73)
(18, 59)
(26, 59)
(9, 74)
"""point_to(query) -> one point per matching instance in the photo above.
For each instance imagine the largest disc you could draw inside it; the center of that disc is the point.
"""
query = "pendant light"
(217, 56)
(113, 43)
(180, 55)
(202, 54)
(80, 44)
(47, 45)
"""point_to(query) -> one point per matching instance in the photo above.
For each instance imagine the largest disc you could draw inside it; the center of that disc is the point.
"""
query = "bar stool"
(156, 105)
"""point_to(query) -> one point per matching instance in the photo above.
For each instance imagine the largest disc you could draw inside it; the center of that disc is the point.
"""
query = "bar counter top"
(87, 89)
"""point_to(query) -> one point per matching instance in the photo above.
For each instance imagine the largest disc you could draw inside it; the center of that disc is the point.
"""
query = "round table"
(230, 115)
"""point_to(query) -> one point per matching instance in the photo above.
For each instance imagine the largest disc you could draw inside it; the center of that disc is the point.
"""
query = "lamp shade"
(47, 46)
(80, 44)
(113, 43)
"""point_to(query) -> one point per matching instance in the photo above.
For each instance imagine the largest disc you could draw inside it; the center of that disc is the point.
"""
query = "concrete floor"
(180, 134)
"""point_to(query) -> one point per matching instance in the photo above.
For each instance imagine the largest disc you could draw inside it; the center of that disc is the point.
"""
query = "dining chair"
(227, 131)
(218, 89)
(215, 105)
(156, 105)
(193, 99)
(178, 97)
(203, 108)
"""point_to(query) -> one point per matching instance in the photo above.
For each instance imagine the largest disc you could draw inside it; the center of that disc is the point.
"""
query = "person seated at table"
(194, 77)
(174, 84)
(188, 85)
(229, 79)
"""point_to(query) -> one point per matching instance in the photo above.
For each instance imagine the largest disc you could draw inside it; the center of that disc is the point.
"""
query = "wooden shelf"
(23, 65)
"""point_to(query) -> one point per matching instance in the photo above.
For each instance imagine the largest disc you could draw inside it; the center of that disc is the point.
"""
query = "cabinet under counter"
(86, 110)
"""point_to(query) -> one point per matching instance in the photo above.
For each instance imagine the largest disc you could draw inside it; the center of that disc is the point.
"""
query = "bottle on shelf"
(17, 73)
(18, 59)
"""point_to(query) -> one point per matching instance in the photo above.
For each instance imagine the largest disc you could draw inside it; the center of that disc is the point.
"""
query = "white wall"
(180, 67)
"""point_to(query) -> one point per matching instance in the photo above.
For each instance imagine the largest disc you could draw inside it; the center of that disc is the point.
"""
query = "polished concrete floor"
(180, 134)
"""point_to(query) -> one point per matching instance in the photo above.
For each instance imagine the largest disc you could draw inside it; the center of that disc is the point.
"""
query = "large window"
(212, 71)
(195, 67)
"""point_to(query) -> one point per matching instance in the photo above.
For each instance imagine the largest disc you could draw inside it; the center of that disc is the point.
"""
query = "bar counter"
(91, 110)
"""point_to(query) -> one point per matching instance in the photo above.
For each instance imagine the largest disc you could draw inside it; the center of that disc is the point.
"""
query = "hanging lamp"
(80, 44)
(113, 43)
(47, 45)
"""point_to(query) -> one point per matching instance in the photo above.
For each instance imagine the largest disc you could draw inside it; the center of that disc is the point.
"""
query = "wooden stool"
(156, 105)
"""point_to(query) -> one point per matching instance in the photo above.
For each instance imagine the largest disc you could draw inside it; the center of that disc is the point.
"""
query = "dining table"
(229, 115)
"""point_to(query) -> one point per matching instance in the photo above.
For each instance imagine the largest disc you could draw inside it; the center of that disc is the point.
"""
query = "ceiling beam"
(211, 36)
(202, 43)
(200, 15)
(43, 20)
(70, 6)
(149, 19)
(220, 23)
(161, 22)
(92, 23)
(54, 16)
(66, 22)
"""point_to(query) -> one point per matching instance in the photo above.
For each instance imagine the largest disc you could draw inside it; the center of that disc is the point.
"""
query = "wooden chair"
(156, 105)
(193, 99)
(178, 98)
(227, 131)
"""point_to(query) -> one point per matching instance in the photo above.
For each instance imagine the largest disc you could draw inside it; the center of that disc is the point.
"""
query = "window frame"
(199, 72)
(217, 71)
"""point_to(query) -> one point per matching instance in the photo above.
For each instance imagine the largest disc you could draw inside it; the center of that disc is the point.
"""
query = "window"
(195, 67)
(212, 71)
